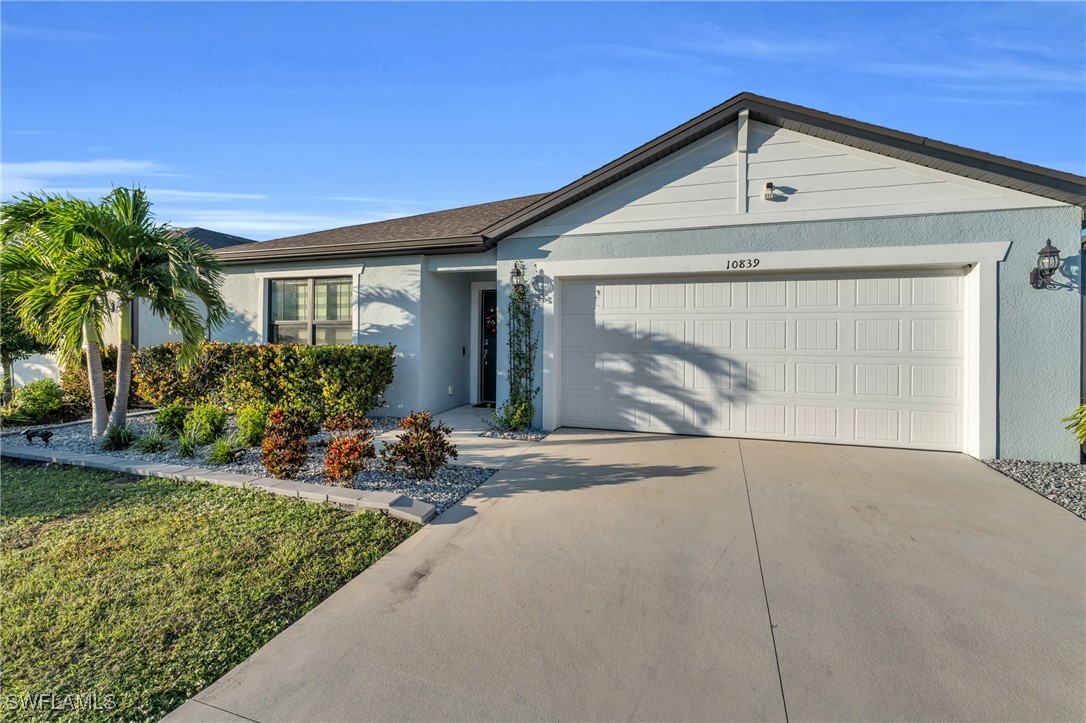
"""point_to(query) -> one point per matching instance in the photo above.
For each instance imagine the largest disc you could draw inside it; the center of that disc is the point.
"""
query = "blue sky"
(271, 119)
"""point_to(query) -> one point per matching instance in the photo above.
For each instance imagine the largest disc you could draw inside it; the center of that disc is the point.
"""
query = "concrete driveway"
(610, 576)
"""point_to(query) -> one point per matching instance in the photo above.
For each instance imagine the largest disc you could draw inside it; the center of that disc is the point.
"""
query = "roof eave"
(413, 247)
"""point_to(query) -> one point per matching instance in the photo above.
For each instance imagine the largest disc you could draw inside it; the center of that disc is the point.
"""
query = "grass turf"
(136, 593)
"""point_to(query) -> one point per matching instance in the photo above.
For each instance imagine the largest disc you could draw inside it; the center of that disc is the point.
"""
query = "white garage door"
(849, 359)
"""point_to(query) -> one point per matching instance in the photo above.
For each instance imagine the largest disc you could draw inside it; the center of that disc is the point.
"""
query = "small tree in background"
(15, 341)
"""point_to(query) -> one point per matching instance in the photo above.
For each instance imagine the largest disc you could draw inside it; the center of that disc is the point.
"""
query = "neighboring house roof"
(214, 239)
(477, 228)
(456, 230)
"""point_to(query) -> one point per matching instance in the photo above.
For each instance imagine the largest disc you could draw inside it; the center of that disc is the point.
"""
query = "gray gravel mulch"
(449, 485)
(525, 435)
(1063, 483)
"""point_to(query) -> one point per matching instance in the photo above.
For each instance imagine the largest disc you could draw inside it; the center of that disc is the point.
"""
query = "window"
(310, 311)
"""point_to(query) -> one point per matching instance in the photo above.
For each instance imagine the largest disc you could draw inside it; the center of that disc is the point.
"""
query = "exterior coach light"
(1048, 260)
(768, 195)
(516, 276)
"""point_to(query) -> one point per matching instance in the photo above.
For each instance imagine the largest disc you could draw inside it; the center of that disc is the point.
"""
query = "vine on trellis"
(516, 413)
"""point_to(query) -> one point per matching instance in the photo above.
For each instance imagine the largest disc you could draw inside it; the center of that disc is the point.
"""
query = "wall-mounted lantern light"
(516, 276)
(768, 195)
(1048, 260)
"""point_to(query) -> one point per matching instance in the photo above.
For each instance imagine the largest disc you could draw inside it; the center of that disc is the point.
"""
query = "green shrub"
(171, 418)
(347, 421)
(206, 421)
(75, 381)
(423, 448)
(117, 438)
(324, 379)
(512, 416)
(1077, 423)
(38, 400)
(159, 378)
(224, 450)
(186, 443)
(286, 443)
(251, 420)
(153, 441)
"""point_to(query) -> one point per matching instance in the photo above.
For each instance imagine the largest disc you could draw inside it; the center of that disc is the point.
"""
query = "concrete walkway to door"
(612, 576)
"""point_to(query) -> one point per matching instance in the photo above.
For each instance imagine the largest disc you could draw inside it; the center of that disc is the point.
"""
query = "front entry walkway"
(611, 576)
(467, 423)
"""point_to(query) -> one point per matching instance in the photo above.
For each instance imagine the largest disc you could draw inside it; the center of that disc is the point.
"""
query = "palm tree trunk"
(93, 349)
(119, 414)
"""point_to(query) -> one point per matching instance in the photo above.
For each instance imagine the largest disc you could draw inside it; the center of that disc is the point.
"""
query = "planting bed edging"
(392, 503)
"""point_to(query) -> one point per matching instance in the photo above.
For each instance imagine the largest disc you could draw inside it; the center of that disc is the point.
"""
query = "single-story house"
(147, 329)
(764, 270)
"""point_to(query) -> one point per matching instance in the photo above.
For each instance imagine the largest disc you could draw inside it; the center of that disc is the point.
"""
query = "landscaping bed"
(448, 486)
(524, 435)
(1063, 483)
(135, 593)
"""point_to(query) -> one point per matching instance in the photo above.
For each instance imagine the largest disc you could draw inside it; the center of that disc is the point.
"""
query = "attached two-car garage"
(844, 358)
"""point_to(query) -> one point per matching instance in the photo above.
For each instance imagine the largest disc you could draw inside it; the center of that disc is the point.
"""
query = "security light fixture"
(1048, 260)
(768, 191)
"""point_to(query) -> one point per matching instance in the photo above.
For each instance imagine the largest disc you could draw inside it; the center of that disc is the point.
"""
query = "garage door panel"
(848, 359)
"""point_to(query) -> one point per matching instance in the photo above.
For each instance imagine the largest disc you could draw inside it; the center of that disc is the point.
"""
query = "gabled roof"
(997, 170)
(214, 239)
(456, 230)
(480, 227)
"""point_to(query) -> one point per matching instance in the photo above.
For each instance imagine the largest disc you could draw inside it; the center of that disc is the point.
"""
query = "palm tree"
(71, 264)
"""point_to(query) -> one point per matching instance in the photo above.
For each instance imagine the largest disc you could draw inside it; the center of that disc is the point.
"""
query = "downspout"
(1082, 332)
(358, 307)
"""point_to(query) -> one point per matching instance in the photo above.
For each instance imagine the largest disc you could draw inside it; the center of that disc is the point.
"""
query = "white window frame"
(310, 323)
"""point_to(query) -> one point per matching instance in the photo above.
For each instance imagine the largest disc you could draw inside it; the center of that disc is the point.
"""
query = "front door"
(488, 367)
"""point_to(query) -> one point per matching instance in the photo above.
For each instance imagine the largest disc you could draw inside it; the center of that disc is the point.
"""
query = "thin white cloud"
(376, 199)
(173, 194)
(18, 31)
(68, 169)
(260, 224)
(987, 73)
(737, 46)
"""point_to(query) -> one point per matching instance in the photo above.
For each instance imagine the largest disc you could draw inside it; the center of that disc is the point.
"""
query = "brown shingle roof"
(456, 229)
(214, 239)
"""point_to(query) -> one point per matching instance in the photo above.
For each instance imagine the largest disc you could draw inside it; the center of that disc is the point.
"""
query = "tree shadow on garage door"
(649, 380)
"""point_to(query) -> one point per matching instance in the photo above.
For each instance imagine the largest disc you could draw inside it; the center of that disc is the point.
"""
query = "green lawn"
(141, 592)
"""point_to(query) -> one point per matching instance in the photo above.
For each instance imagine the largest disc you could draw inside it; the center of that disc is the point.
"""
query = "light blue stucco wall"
(425, 314)
(1039, 331)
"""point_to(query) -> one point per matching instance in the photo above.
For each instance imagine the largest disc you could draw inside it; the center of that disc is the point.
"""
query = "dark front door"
(488, 357)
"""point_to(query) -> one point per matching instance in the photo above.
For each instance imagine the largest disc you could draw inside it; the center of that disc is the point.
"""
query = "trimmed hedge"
(326, 380)
(75, 381)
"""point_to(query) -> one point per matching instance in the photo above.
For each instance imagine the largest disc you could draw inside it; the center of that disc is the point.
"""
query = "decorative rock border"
(391, 503)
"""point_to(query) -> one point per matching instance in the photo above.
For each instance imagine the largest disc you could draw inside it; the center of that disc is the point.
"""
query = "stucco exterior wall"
(446, 338)
(386, 311)
(35, 367)
(1039, 337)
(389, 312)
